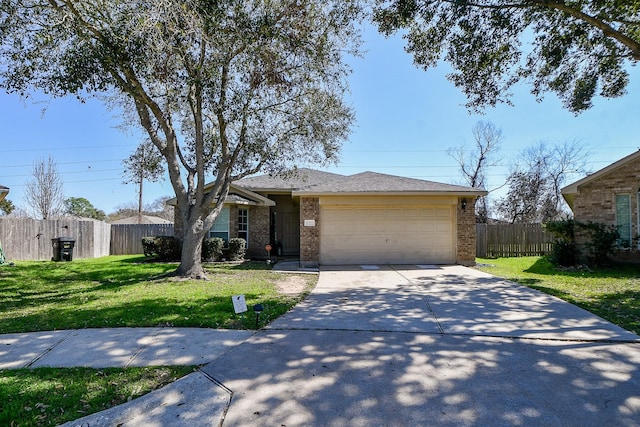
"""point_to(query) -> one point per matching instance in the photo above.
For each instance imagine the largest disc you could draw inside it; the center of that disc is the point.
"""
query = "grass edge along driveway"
(612, 293)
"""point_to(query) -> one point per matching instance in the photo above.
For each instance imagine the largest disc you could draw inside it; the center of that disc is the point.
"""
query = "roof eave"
(474, 193)
(255, 198)
(270, 190)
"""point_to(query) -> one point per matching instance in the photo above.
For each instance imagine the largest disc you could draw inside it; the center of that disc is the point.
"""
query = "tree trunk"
(190, 260)
(191, 257)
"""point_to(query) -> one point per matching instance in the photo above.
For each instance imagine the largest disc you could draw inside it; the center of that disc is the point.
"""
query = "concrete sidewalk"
(119, 347)
(393, 346)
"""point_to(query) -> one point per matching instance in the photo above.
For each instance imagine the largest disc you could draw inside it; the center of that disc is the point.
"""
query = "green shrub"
(149, 246)
(602, 243)
(564, 253)
(565, 250)
(237, 248)
(168, 248)
(212, 249)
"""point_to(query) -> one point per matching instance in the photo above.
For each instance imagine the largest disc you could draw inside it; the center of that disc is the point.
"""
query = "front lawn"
(119, 291)
(611, 293)
(126, 291)
(52, 396)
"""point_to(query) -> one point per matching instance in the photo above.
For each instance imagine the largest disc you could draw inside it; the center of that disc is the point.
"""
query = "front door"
(285, 225)
(290, 235)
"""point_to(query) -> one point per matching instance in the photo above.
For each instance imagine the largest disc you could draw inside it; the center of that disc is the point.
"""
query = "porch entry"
(285, 225)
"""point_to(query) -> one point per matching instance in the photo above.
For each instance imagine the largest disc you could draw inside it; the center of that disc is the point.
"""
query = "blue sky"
(406, 120)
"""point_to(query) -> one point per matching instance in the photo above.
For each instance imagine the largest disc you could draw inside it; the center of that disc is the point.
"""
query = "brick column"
(466, 232)
(309, 235)
(258, 232)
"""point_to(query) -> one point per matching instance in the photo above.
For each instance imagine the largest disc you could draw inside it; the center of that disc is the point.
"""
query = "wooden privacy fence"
(30, 239)
(512, 240)
(127, 238)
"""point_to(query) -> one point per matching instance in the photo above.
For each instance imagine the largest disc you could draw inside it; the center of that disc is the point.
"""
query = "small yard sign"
(239, 304)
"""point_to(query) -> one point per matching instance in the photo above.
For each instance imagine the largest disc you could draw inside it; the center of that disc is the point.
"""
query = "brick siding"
(258, 232)
(595, 200)
(309, 236)
(466, 225)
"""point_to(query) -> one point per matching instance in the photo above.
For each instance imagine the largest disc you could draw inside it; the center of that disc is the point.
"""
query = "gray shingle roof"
(302, 178)
(309, 181)
(373, 182)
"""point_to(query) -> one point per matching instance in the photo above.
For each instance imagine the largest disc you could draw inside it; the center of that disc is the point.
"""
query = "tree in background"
(160, 208)
(44, 192)
(524, 199)
(536, 180)
(577, 49)
(156, 208)
(82, 208)
(474, 163)
(222, 89)
(146, 163)
(6, 206)
(556, 163)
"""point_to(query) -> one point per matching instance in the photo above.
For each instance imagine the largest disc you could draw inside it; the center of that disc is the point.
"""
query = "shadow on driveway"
(404, 346)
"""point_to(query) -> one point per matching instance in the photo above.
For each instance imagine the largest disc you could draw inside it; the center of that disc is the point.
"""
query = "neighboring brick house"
(611, 196)
(367, 218)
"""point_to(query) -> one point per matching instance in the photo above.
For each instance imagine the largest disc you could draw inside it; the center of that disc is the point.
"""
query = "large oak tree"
(575, 48)
(223, 89)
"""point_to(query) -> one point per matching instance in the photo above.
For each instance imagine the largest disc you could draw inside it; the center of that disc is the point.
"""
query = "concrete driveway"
(431, 345)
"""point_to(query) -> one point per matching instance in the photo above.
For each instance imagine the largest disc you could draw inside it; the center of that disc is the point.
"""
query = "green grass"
(118, 291)
(49, 396)
(125, 291)
(611, 293)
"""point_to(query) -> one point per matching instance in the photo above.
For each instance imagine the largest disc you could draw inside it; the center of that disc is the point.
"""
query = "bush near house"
(212, 249)
(149, 246)
(237, 249)
(600, 243)
(168, 248)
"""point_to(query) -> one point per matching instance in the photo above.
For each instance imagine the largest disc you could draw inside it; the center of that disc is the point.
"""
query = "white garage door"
(385, 235)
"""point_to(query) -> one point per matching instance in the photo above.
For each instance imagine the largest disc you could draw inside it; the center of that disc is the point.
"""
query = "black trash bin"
(63, 248)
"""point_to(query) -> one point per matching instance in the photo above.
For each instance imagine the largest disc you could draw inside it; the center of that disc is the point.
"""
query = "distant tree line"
(534, 181)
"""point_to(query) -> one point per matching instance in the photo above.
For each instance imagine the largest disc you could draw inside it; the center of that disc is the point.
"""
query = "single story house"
(610, 196)
(3, 192)
(366, 218)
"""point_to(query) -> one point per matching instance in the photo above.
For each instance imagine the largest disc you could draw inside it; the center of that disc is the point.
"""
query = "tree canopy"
(223, 89)
(6, 206)
(82, 208)
(576, 48)
(536, 179)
